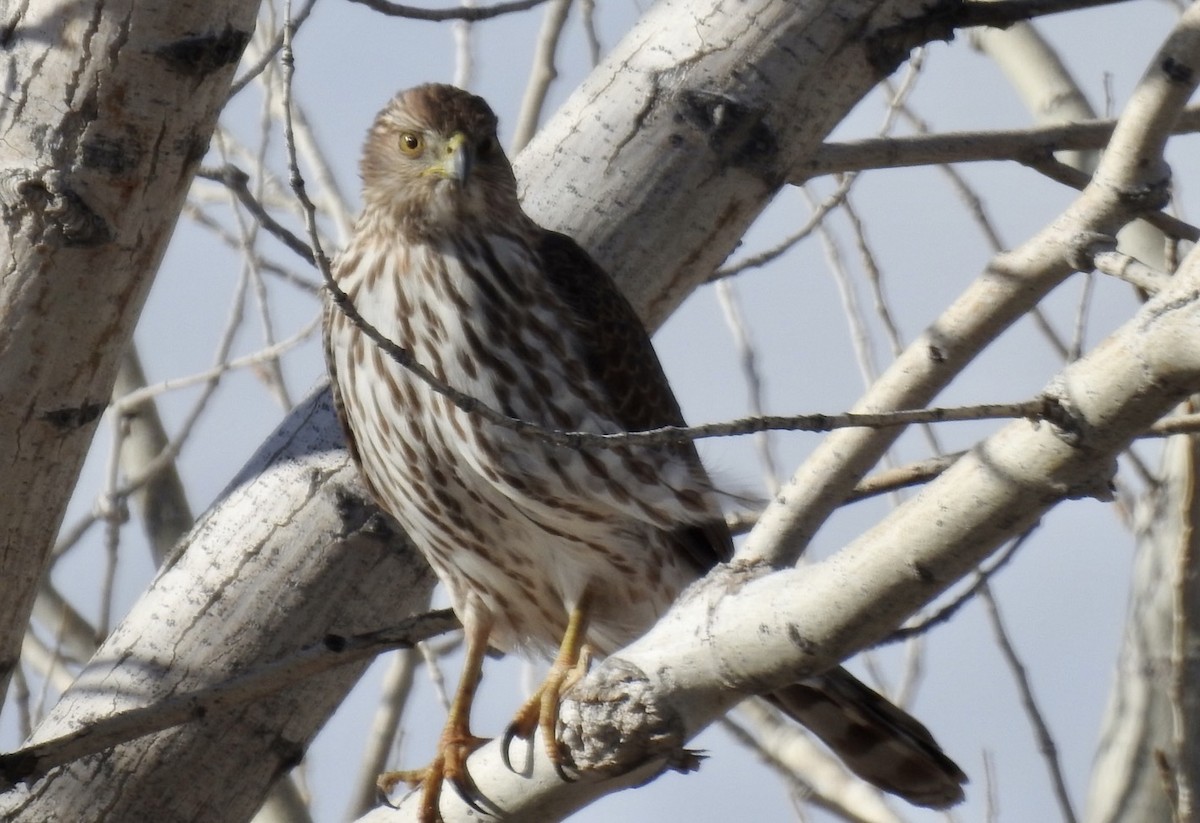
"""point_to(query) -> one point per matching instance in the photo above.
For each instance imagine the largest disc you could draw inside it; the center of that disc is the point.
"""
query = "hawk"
(543, 549)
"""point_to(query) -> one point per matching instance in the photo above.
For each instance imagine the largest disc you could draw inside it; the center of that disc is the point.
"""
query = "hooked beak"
(456, 160)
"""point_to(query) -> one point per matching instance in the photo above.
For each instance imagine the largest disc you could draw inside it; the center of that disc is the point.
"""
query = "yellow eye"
(411, 143)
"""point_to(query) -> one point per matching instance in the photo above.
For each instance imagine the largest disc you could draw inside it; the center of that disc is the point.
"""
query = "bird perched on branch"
(541, 547)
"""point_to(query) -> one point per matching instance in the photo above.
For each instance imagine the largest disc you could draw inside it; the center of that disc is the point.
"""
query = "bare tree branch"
(471, 13)
(1030, 145)
(1045, 738)
(90, 182)
(1131, 179)
(34, 761)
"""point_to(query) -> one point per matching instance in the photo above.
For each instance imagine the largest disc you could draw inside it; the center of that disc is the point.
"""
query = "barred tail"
(878, 741)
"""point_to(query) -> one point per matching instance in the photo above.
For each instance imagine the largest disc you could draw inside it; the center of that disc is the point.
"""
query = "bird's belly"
(524, 565)
(489, 553)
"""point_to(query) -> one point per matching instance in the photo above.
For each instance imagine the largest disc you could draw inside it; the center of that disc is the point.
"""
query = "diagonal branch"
(1130, 179)
(743, 630)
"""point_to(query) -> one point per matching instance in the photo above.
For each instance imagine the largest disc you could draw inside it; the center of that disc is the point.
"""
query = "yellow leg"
(540, 712)
(456, 743)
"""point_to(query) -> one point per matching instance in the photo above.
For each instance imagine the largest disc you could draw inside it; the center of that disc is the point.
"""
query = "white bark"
(745, 631)
(1132, 176)
(1126, 781)
(288, 556)
(694, 121)
(657, 165)
(107, 109)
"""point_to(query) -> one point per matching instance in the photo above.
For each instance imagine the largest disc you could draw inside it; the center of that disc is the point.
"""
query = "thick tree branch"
(289, 556)
(1131, 179)
(679, 116)
(99, 146)
(691, 62)
(756, 634)
(742, 630)
(33, 762)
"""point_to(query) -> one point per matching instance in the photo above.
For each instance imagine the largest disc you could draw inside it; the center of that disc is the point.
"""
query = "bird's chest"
(478, 321)
(481, 320)
(504, 518)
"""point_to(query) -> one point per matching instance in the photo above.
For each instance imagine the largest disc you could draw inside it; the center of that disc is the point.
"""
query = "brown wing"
(620, 356)
(339, 404)
(878, 741)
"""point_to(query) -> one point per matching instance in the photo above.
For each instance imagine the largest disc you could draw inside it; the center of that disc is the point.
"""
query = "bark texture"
(290, 555)
(108, 109)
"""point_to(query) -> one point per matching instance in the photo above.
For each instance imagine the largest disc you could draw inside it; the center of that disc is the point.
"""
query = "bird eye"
(486, 147)
(411, 143)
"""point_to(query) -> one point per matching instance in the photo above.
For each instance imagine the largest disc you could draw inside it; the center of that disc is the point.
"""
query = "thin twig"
(991, 788)
(248, 231)
(883, 482)
(944, 614)
(979, 214)
(1124, 267)
(814, 776)
(748, 359)
(237, 181)
(814, 219)
(332, 200)
(1179, 424)
(1021, 145)
(587, 11)
(1041, 730)
(265, 264)
(1079, 336)
(102, 733)
(472, 13)
(542, 73)
(464, 60)
(115, 513)
(396, 689)
(131, 401)
(269, 53)
(1062, 173)
(860, 335)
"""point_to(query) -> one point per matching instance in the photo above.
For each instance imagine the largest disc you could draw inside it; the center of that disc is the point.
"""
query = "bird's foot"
(448, 766)
(540, 712)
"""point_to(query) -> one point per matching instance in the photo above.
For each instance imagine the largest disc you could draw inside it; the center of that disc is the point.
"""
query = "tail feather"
(878, 741)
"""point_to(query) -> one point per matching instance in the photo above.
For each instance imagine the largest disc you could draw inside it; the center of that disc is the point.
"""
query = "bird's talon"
(510, 734)
(387, 782)
(466, 789)
(562, 773)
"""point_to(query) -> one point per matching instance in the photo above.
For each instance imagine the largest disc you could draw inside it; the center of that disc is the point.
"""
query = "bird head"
(433, 164)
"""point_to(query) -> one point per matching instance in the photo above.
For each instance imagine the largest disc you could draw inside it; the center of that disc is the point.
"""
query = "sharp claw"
(387, 782)
(562, 774)
(384, 798)
(505, 743)
(466, 789)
